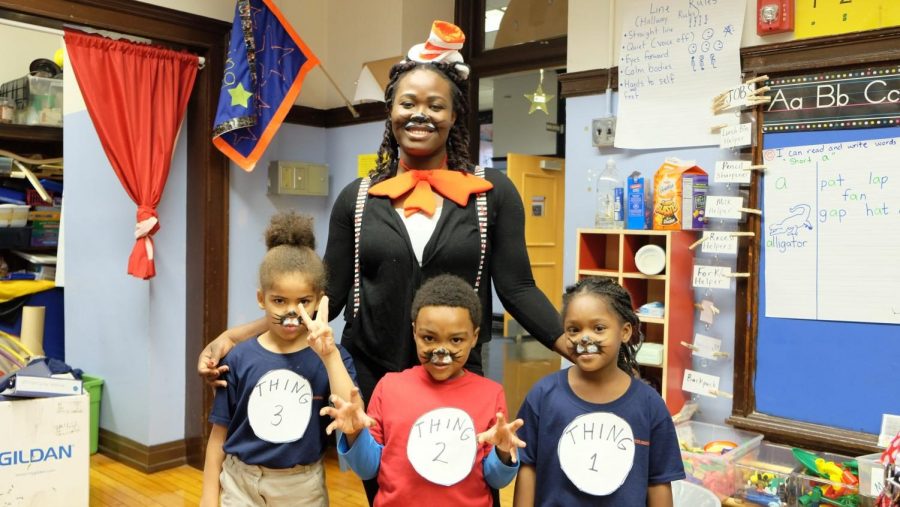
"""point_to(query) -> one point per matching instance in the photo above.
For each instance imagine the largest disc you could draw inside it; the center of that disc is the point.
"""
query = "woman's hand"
(321, 337)
(503, 436)
(349, 417)
(208, 365)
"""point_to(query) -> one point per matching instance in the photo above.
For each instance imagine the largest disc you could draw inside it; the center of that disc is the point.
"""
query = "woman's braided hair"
(457, 141)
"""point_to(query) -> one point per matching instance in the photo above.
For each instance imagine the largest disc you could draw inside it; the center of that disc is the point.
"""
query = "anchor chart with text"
(831, 231)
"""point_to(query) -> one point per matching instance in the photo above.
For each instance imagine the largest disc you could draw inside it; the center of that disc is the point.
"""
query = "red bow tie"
(454, 185)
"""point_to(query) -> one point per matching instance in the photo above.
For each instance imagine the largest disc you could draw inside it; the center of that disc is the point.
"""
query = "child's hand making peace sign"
(321, 337)
(503, 436)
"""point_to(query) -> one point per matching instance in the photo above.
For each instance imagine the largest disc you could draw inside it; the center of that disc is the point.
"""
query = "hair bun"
(292, 229)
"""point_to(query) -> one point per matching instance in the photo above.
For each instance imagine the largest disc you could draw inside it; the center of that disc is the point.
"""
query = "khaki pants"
(243, 485)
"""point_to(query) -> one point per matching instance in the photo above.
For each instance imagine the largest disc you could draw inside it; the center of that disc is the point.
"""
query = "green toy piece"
(808, 460)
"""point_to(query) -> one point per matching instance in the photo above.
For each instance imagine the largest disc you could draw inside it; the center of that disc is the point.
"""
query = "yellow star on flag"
(239, 95)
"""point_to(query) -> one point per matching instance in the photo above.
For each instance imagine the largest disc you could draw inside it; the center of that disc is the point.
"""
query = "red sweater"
(444, 441)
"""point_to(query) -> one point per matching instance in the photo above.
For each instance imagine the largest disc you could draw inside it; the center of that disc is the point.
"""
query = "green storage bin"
(94, 387)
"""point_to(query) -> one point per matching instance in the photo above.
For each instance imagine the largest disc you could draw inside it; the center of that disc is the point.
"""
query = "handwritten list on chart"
(831, 222)
(674, 57)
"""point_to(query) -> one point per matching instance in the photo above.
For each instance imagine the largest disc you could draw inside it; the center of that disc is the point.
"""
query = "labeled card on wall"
(724, 206)
(732, 171)
(719, 243)
(706, 346)
(737, 97)
(735, 136)
(890, 426)
(700, 383)
(712, 277)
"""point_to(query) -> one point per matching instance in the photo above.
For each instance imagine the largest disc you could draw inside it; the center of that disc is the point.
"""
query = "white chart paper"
(675, 56)
(831, 220)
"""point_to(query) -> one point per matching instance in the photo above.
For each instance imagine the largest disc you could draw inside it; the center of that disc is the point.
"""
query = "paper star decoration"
(539, 99)
(239, 95)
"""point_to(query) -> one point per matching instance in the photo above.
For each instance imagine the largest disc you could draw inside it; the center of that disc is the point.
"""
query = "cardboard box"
(638, 202)
(44, 455)
(679, 196)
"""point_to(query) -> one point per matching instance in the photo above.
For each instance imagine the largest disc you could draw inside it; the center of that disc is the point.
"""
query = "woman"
(415, 225)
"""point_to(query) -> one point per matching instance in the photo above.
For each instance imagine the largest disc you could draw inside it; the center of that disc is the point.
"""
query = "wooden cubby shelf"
(610, 253)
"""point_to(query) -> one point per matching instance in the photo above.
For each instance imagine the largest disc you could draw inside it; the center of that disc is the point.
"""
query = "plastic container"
(685, 494)
(714, 471)
(610, 198)
(871, 478)
(7, 110)
(807, 481)
(13, 215)
(94, 387)
(764, 476)
(38, 99)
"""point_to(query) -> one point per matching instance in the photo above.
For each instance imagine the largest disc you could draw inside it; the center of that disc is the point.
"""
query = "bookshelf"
(611, 253)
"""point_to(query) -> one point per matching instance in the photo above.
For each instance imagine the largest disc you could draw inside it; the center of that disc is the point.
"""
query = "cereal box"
(679, 196)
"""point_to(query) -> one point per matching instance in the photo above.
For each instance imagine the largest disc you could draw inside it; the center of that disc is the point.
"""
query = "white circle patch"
(596, 452)
(442, 445)
(280, 406)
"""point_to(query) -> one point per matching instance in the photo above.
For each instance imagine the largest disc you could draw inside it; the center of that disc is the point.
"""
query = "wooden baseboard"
(147, 459)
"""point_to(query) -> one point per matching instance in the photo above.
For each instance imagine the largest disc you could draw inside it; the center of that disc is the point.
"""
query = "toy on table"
(709, 473)
(843, 481)
(765, 489)
(719, 446)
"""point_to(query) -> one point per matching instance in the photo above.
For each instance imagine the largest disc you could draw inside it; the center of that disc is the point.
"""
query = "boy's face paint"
(441, 355)
(445, 335)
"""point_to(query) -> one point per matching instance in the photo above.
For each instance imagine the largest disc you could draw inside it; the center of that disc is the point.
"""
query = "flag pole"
(336, 87)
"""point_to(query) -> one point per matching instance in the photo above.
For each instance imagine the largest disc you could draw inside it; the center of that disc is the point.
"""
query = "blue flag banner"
(266, 64)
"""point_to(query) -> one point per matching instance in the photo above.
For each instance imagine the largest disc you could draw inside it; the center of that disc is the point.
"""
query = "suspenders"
(481, 212)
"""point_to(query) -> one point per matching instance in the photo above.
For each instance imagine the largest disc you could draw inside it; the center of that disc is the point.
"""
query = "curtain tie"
(147, 225)
(454, 185)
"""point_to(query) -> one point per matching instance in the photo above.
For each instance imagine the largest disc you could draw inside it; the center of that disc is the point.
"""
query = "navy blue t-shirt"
(271, 405)
(610, 452)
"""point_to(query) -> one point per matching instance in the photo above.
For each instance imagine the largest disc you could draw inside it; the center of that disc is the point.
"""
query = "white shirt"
(420, 227)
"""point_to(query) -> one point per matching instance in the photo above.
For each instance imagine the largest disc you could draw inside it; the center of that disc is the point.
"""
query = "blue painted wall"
(579, 213)
(128, 331)
(251, 208)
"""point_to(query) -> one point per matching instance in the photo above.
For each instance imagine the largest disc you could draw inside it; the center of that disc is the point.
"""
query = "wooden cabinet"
(611, 253)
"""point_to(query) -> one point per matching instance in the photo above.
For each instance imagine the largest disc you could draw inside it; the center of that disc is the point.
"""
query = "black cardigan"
(390, 273)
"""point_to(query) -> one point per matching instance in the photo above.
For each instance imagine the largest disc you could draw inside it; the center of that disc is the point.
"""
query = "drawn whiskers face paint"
(586, 346)
(441, 356)
(288, 319)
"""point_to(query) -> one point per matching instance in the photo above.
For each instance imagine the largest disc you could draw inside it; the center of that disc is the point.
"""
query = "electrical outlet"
(603, 131)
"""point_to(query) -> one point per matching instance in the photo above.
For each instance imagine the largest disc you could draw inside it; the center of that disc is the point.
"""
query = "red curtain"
(136, 96)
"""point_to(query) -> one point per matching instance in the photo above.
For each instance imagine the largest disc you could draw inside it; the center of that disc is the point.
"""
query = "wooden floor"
(114, 484)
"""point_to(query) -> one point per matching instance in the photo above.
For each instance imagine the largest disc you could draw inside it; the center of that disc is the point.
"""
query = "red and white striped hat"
(443, 45)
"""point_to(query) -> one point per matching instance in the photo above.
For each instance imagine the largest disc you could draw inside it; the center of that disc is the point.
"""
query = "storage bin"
(765, 476)
(685, 494)
(871, 478)
(13, 215)
(714, 471)
(94, 387)
(38, 100)
(807, 481)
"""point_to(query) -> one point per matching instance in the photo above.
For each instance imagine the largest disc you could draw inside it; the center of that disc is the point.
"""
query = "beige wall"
(29, 45)
(344, 34)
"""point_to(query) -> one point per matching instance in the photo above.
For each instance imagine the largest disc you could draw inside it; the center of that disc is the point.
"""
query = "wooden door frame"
(206, 240)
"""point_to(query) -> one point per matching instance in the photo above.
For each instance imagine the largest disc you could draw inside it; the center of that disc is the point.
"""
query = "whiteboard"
(832, 230)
